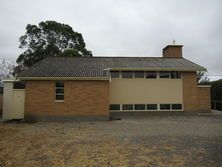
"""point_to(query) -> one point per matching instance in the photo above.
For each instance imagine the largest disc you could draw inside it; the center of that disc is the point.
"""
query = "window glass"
(175, 75)
(114, 106)
(127, 74)
(151, 74)
(18, 85)
(114, 74)
(151, 106)
(59, 97)
(138, 74)
(59, 90)
(176, 106)
(60, 84)
(165, 106)
(164, 74)
(127, 107)
(139, 106)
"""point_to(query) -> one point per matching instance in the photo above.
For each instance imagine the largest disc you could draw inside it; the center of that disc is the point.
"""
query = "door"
(18, 103)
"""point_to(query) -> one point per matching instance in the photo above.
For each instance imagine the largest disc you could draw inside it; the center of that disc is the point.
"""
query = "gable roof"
(100, 66)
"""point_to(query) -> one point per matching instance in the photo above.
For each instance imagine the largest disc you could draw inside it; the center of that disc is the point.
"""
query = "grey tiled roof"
(97, 66)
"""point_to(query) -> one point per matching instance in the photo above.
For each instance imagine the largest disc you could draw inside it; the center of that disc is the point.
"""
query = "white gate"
(13, 102)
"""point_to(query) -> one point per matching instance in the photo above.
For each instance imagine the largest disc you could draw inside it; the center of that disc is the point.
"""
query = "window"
(164, 74)
(139, 74)
(18, 85)
(176, 106)
(151, 74)
(59, 91)
(114, 106)
(114, 74)
(151, 106)
(127, 107)
(165, 106)
(139, 106)
(175, 75)
(127, 74)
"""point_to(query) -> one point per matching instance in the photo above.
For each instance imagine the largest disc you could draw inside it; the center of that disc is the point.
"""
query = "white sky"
(124, 27)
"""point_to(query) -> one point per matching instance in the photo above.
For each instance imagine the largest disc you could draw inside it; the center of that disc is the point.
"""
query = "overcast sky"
(124, 27)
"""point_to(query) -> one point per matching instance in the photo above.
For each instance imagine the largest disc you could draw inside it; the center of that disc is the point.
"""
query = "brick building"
(92, 88)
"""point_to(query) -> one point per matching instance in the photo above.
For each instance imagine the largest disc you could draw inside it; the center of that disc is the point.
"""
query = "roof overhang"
(65, 78)
(156, 69)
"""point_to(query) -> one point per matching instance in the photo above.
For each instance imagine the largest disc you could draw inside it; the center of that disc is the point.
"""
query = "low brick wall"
(83, 99)
(204, 98)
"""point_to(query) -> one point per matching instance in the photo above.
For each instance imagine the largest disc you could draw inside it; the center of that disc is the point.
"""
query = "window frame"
(177, 108)
(17, 85)
(178, 74)
(59, 94)
(122, 74)
(164, 72)
(165, 109)
(119, 105)
(152, 109)
(139, 72)
(140, 109)
(151, 72)
(127, 109)
(115, 76)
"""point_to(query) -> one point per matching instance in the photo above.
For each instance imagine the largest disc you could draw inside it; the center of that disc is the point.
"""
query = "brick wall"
(82, 98)
(190, 96)
(195, 98)
(204, 98)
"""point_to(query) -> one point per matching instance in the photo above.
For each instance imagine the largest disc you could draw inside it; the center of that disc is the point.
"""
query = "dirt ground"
(194, 141)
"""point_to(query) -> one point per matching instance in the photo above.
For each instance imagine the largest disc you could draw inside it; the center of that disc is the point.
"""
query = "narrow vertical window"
(114, 74)
(175, 74)
(164, 74)
(138, 74)
(127, 74)
(151, 74)
(59, 91)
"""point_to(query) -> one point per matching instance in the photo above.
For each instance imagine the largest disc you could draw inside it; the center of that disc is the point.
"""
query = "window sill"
(59, 101)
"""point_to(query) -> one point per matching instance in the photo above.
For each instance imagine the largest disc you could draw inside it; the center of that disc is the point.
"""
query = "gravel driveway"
(192, 141)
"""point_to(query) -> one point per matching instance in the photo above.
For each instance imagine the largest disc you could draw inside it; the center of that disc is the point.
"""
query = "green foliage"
(202, 79)
(49, 38)
(216, 93)
(216, 90)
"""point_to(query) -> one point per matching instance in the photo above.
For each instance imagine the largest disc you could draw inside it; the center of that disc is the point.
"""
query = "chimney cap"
(180, 46)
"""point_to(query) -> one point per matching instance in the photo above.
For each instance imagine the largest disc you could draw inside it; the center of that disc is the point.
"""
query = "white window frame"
(60, 93)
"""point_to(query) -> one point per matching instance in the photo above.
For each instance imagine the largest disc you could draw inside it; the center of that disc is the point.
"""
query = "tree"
(6, 69)
(216, 93)
(49, 38)
(202, 79)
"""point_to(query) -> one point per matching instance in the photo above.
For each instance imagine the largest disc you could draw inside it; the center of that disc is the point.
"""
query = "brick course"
(204, 99)
(190, 96)
(195, 99)
(82, 98)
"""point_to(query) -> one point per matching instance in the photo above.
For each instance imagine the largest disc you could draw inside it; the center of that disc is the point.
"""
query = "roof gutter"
(65, 78)
(155, 69)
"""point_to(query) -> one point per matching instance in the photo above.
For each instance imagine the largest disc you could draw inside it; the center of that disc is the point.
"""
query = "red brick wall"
(204, 99)
(190, 96)
(195, 98)
(82, 98)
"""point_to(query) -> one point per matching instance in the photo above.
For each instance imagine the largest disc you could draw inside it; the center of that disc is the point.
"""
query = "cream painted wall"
(7, 100)
(13, 102)
(145, 91)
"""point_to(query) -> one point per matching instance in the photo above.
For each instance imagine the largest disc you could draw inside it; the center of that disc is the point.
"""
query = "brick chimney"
(172, 51)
